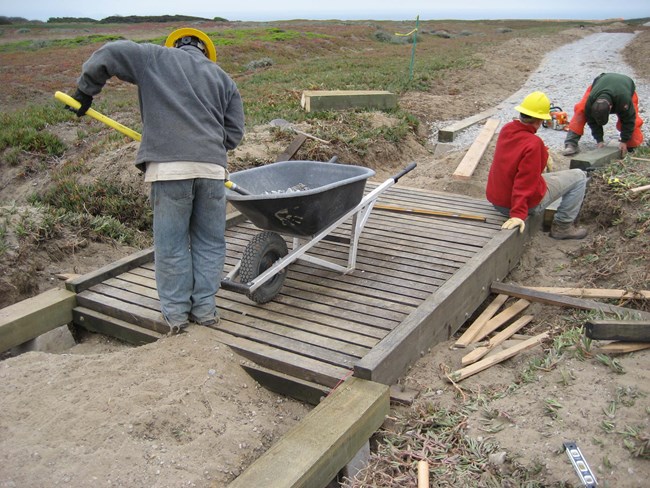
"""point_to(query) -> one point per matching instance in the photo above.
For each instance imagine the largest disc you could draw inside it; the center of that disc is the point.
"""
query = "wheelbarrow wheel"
(260, 254)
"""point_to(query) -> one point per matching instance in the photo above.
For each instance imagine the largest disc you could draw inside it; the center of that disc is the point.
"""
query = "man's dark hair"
(600, 111)
(527, 119)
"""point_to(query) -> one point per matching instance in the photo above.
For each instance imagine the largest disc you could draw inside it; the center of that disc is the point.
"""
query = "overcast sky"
(333, 9)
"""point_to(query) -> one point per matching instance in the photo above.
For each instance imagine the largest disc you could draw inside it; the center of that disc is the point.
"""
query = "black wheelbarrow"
(306, 200)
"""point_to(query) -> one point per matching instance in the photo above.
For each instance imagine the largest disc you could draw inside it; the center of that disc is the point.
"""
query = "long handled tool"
(71, 102)
(437, 213)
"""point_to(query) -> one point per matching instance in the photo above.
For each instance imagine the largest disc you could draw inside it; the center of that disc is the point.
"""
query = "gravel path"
(564, 75)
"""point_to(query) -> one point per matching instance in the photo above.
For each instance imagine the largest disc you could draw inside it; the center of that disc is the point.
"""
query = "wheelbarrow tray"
(331, 190)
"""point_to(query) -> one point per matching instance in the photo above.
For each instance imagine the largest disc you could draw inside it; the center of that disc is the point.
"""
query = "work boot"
(567, 230)
(570, 149)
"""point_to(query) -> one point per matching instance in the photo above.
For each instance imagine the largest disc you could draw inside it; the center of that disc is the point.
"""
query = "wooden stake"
(423, 474)
(469, 335)
(605, 293)
(640, 189)
(498, 320)
(506, 333)
(623, 347)
(486, 363)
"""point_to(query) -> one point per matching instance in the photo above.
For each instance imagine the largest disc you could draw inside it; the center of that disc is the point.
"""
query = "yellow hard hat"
(185, 36)
(536, 105)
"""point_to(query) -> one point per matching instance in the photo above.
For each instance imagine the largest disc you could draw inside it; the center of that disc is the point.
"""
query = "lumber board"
(449, 133)
(470, 334)
(105, 324)
(564, 301)
(29, 318)
(316, 100)
(440, 316)
(289, 386)
(486, 363)
(640, 189)
(327, 438)
(618, 330)
(473, 156)
(622, 347)
(498, 339)
(605, 293)
(292, 148)
(120, 266)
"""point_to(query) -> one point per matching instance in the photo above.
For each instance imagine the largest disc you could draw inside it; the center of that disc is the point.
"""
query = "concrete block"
(595, 159)
(313, 101)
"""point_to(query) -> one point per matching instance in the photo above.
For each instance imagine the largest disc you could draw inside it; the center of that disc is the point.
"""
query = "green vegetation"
(25, 131)
(31, 45)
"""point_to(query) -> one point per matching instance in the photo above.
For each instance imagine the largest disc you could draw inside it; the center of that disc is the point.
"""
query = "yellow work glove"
(550, 164)
(513, 223)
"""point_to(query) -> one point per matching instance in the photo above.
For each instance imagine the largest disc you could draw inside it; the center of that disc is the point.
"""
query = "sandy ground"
(182, 412)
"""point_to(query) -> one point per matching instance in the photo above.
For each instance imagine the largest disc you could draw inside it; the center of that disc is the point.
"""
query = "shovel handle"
(410, 167)
(71, 102)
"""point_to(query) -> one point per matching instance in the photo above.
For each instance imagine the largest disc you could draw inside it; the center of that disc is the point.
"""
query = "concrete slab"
(595, 159)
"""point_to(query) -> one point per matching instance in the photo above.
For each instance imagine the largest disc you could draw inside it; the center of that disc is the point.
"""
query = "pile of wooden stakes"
(628, 335)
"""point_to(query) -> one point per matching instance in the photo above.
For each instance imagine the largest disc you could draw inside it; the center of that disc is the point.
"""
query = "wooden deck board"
(409, 289)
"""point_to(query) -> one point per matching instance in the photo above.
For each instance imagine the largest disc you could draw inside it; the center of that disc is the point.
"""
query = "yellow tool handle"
(68, 100)
(393, 208)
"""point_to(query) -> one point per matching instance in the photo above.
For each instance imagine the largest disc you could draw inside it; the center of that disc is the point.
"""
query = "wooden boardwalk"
(418, 278)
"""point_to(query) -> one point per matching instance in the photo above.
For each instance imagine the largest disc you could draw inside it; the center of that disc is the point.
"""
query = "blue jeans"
(189, 246)
(570, 185)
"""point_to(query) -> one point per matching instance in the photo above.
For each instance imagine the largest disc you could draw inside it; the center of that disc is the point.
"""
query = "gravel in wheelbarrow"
(298, 198)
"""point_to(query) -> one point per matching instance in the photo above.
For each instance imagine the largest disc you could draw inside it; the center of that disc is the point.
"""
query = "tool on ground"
(437, 213)
(285, 124)
(580, 465)
(559, 119)
(71, 102)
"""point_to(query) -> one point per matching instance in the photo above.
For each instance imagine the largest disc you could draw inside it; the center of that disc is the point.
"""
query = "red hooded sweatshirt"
(515, 180)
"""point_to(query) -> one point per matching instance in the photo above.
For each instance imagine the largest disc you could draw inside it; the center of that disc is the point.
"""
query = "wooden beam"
(564, 301)
(315, 450)
(290, 386)
(622, 347)
(473, 156)
(292, 148)
(34, 316)
(449, 133)
(498, 339)
(604, 293)
(618, 330)
(470, 334)
(483, 364)
(440, 315)
(110, 326)
(315, 100)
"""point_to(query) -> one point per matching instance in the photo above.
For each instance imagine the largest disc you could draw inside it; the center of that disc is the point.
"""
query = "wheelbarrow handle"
(410, 167)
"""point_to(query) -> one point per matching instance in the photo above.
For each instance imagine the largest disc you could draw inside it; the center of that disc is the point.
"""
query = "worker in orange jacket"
(609, 93)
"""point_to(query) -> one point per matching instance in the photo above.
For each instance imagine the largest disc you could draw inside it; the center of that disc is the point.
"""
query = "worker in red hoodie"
(518, 185)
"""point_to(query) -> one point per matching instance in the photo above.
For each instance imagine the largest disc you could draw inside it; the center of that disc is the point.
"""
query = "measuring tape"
(580, 465)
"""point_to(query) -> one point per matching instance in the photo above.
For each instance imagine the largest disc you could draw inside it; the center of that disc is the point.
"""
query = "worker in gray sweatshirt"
(192, 115)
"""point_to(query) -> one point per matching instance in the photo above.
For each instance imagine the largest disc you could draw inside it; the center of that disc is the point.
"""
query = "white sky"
(257, 10)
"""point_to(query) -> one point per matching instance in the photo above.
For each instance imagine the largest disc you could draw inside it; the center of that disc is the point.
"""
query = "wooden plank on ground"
(449, 133)
(498, 339)
(604, 293)
(618, 330)
(564, 301)
(484, 364)
(292, 148)
(110, 326)
(34, 316)
(469, 335)
(473, 156)
(316, 100)
(315, 450)
(622, 347)
(290, 386)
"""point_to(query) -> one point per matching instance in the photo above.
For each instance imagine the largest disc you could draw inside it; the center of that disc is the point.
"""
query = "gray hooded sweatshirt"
(191, 109)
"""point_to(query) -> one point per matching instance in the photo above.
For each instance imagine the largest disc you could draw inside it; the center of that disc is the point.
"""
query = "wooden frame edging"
(34, 316)
(442, 314)
(312, 453)
(123, 265)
